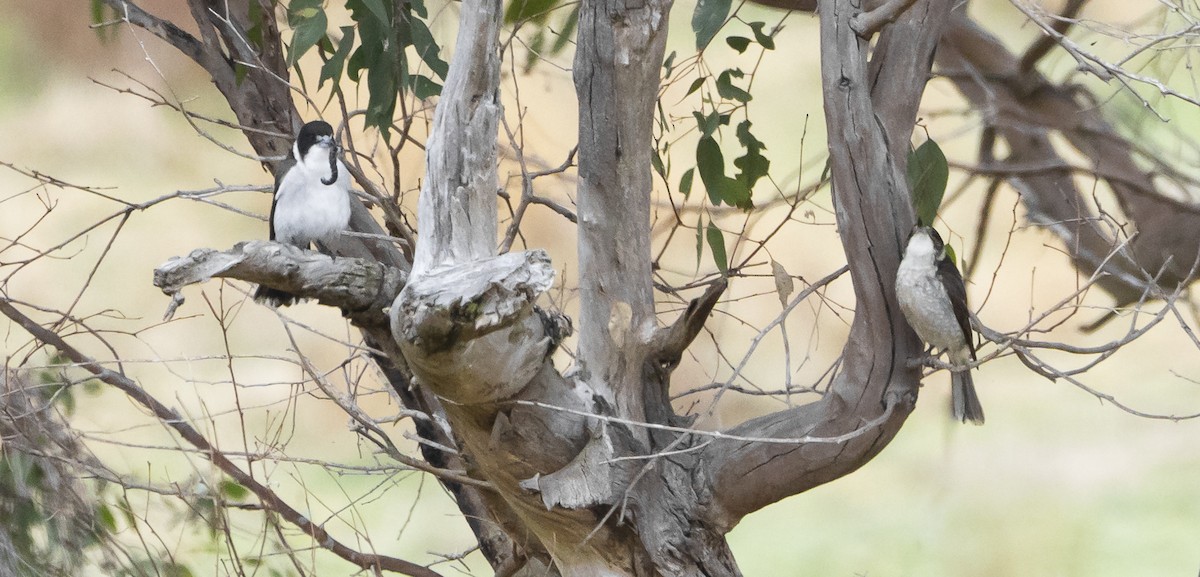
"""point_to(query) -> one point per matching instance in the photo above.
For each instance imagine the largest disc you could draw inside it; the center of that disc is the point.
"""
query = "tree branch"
(868, 141)
(1044, 44)
(457, 207)
(174, 420)
(617, 65)
(867, 23)
(165, 30)
(1026, 109)
(363, 288)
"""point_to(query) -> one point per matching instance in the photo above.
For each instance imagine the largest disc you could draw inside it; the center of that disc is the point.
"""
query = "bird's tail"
(965, 402)
(274, 298)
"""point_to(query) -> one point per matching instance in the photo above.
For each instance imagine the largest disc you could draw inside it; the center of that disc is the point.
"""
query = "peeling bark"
(362, 288)
(617, 65)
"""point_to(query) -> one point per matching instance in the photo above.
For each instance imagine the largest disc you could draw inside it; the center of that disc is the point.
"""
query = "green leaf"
(710, 163)
(568, 32)
(127, 511)
(727, 90)
(107, 519)
(734, 192)
(928, 173)
(332, 69)
(716, 243)
(255, 32)
(101, 14)
(66, 399)
(418, 8)
(172, 569)
(428, 49)
(308, 27)
(685, 182)
(699, 239)
(753, 165)
(657, 162)
(951, 255)
(739, 43)
(707, 124)
(357, 63)
(381, 102)
(696, 84)
(377, 9)
(97, 12)
(528, 9)
(708, 18)
(766, 40)
(233, 490)
(423, 87)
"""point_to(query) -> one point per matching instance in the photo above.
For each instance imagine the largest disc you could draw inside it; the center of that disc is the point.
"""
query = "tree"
(593, 470)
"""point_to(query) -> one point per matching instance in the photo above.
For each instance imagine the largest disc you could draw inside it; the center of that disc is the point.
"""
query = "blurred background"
(1059, 482)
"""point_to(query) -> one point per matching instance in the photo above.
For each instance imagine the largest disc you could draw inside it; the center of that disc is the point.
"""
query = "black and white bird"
(934, 300)
(312, 198)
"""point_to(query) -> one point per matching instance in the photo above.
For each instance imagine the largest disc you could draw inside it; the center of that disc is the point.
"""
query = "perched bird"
(312, 198)
(934, 300)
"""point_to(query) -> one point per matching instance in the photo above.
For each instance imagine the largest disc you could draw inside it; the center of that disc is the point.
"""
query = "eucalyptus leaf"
(716, 244)
(710, 163)
(739, 43)
(308, 28)
(767, 41)
(332, 69)
(928, 173)
(708, 18)
(685, 182)
(727, 90)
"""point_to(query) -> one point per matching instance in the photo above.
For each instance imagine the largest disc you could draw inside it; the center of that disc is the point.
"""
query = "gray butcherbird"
(934, 300)
(312, 198)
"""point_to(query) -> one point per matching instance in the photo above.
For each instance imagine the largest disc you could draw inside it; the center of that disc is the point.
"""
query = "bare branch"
(1044, 44)
(175, 421)
(868, 138)
(867, 23)
(361, 287)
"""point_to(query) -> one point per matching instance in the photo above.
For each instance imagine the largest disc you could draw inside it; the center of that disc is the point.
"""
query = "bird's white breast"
(926, 305)
(307, 210)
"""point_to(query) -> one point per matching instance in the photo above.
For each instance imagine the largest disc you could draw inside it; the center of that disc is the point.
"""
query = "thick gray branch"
(457, 207)
(363, 288)
(869, 129)
(469, 331)
(617, 66)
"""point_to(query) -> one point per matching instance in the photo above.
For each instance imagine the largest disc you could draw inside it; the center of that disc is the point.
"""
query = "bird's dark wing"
(955, 289)
(284, 166)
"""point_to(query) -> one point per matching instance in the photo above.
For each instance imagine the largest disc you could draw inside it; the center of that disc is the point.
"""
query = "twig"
(172, 419)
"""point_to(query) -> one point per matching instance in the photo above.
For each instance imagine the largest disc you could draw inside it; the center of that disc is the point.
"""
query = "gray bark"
(617, 63)
(869, 128)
